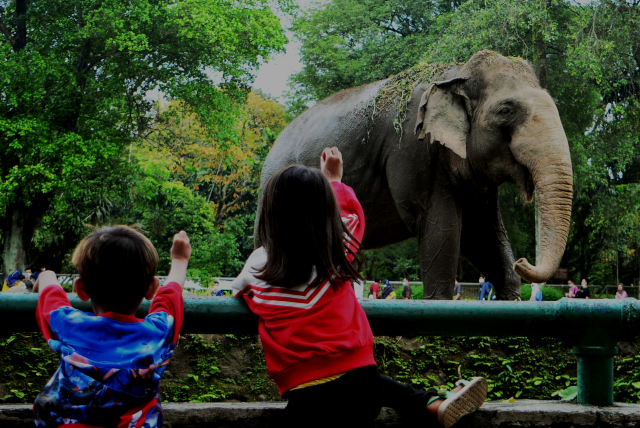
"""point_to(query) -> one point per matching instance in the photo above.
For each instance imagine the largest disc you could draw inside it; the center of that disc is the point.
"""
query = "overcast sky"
(273, 76)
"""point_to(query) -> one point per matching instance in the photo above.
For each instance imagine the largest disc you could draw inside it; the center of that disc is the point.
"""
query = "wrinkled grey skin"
(490, 122)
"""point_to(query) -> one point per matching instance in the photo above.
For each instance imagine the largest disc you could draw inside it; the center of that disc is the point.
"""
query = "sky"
(273, 76)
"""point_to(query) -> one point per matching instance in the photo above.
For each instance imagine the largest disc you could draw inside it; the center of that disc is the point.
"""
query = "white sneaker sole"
(466, 401)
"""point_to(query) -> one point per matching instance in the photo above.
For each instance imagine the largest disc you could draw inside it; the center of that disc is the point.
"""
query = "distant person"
(374, 290)
(387, 292)
(406, 291)
(217, 291)
(584, 292)
(10, 280)
(573, 289)
(28, 283)
(27, 273)
(621, 294)
(18, 286)
(486, 289)
(111, 362)
(457, 289)
(536, 293)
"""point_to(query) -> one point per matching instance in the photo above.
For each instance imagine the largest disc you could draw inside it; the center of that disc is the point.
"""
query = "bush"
(549, 294)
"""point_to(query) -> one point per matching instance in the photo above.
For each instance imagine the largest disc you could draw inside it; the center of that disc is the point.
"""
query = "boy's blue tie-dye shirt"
(111, 364)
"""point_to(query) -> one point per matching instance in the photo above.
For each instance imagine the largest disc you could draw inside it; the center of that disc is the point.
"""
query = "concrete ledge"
(523, 413)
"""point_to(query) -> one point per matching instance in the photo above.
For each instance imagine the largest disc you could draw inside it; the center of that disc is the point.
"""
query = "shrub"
(549, 294)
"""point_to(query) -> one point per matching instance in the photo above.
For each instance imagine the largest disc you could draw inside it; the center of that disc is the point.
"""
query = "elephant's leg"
(439, 241)
(484, 242)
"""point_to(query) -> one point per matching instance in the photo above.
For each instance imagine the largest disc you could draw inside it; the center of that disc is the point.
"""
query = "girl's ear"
(153, 288)
(79, 286)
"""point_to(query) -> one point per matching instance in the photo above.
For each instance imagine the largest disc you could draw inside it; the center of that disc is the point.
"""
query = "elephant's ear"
(442, 117)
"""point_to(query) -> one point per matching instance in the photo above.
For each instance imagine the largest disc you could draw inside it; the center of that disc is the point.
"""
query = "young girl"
(316, 337)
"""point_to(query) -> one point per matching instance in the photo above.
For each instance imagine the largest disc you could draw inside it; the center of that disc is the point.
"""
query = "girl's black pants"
(355, 399)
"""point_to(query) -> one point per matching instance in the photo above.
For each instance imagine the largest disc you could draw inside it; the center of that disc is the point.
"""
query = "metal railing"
(469, 289)
(593, 326)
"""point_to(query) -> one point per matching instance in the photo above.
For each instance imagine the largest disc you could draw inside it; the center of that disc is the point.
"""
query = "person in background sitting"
(584, 293)
(406, 291)
(457, 290)
(387, 292)
(573, 289)
(621, 294)
(28, 283)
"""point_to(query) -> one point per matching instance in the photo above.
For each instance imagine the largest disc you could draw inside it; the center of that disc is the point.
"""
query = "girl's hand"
(181, 248)
(45, 279)
(331, 164)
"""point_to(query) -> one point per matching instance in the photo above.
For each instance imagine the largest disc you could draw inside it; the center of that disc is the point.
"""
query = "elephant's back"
(337, 120)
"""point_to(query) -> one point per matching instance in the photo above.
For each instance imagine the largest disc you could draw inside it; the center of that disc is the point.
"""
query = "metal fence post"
(595, 374)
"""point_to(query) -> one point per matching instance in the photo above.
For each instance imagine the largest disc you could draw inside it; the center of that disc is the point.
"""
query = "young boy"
(112, 362)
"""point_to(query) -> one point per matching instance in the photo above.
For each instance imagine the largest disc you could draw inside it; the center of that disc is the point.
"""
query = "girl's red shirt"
(310, 332)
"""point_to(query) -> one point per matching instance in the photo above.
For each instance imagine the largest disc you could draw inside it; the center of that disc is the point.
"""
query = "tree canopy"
(74, 94)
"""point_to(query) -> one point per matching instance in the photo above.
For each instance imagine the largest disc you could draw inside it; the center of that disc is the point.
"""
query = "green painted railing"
(593, 326)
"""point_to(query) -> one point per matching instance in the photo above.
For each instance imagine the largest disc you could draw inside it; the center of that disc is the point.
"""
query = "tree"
(348, 43)
(226, 174)
(75, 82)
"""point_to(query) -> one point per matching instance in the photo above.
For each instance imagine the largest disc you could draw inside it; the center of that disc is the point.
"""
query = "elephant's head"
(503, 126)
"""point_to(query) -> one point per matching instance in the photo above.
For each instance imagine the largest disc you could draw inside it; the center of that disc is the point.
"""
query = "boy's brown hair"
(116, 264)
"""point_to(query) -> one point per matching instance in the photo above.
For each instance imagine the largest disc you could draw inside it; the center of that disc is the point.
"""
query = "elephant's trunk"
(546, 155)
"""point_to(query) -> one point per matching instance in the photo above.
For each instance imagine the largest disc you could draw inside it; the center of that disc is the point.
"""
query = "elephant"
(430, 165)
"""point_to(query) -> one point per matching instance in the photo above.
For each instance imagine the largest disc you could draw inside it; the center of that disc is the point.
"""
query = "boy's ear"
(153, 288)
(82, 294)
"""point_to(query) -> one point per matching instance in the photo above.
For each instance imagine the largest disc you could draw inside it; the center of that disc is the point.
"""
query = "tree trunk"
(14, 252)
(18, 227)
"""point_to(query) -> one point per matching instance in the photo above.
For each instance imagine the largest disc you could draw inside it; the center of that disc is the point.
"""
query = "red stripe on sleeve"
(51, 298)
(169, 299)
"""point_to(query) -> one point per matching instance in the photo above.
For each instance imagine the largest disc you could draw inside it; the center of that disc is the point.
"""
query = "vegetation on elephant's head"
(396, 91)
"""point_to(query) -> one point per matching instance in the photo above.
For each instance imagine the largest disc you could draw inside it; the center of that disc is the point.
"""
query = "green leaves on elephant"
(396, 92)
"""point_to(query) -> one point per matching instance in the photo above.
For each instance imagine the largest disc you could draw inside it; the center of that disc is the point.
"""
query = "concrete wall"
(523, 413)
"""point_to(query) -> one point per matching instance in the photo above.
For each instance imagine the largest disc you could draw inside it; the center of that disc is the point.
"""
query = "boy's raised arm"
(180, 254)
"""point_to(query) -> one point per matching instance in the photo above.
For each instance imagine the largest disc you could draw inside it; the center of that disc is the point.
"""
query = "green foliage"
(567, 394)
(73, 95)
(27, 365)
(347, 43)
(549, 294)
(393, 262)
(515, 367)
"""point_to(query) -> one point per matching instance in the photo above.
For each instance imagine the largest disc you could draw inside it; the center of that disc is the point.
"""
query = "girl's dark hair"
(300, 227)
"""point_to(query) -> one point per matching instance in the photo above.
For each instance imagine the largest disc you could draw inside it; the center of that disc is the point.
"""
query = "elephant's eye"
(504, 110)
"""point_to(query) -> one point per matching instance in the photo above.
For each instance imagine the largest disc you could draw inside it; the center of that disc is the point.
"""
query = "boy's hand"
(181, 248)
(331, 164)
(180, 254)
